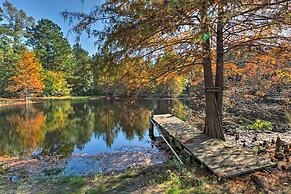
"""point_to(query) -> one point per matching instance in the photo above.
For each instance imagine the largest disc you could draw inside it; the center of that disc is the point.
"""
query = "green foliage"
(129, 173)
(72, 180)
(8, 61)
(95, 191)
(55, 54)
(72, 71)
(82, 79)
(16, 24)
(206, 36)
(261, 125)
(53, 50)
(14, 31)
(183, 181)
(56, 84)
(104, 73)
(77, 182)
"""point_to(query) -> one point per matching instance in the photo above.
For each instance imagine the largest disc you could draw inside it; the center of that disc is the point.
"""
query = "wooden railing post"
(152, 126)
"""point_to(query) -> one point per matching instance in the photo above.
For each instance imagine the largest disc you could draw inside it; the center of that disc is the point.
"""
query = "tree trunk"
(219, 82)
(25, 93)
(213, 124)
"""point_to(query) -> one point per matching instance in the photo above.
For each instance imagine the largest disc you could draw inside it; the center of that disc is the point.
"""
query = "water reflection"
(71, 126)
(30, 127)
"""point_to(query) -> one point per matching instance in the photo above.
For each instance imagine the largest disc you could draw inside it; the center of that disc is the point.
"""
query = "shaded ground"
(167, 178)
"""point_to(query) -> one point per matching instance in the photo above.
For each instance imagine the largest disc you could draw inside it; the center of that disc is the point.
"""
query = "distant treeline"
(37, 60)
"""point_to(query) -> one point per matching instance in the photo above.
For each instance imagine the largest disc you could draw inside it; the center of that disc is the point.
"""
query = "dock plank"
(223, 159)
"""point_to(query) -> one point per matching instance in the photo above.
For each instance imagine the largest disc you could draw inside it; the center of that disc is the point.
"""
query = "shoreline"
(149, 178)
(21, 101)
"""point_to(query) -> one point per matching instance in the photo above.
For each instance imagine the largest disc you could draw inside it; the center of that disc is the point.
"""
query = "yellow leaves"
(267, 59)
(284, 75)
(171, 85)
(129, 77)
(56, 84)
(250, 97)
(231, 69)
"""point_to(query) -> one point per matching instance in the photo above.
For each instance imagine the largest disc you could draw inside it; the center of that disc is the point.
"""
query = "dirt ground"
(162, 178)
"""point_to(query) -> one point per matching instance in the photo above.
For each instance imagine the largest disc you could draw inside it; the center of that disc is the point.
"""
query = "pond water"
(106, 129)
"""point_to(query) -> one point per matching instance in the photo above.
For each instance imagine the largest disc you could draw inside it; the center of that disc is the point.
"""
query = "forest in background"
(36, 59)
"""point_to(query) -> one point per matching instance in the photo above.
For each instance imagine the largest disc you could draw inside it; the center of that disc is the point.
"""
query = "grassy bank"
(168, 178)
(163, 178)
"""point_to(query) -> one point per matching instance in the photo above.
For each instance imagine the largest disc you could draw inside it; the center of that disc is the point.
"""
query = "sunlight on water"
(92, 134)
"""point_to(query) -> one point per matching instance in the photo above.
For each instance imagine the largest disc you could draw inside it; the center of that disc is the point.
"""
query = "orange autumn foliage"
(27, 79)
(261, 71)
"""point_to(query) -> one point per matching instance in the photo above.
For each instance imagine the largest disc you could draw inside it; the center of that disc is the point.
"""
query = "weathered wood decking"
(223, 159)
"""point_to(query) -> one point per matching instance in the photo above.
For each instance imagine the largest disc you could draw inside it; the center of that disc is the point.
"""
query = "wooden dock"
(223, 159)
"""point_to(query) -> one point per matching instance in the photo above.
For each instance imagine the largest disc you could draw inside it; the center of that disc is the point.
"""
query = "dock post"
(151, 129)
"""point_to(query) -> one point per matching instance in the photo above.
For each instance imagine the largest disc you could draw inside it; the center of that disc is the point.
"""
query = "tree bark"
(219, 81)
(213, 124)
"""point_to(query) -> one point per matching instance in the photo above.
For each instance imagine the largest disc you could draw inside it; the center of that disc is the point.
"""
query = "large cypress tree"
(201, 32)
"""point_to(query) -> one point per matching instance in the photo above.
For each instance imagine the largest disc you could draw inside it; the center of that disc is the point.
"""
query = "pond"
(94, 134)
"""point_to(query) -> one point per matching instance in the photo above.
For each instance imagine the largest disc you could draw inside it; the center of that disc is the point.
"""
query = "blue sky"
(51, 9)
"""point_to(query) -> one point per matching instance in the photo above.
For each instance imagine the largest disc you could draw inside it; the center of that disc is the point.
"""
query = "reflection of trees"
(106, 123)
(135, 121)
(30, 128)
(21, 130)
(132, 118)
(59, 126)
(173, 106)
(9, 139)
(68, 125)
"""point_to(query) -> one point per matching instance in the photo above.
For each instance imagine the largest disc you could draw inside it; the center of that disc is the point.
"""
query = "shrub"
(261, 125)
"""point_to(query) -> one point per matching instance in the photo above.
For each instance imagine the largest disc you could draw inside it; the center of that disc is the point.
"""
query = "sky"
(50, 9)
